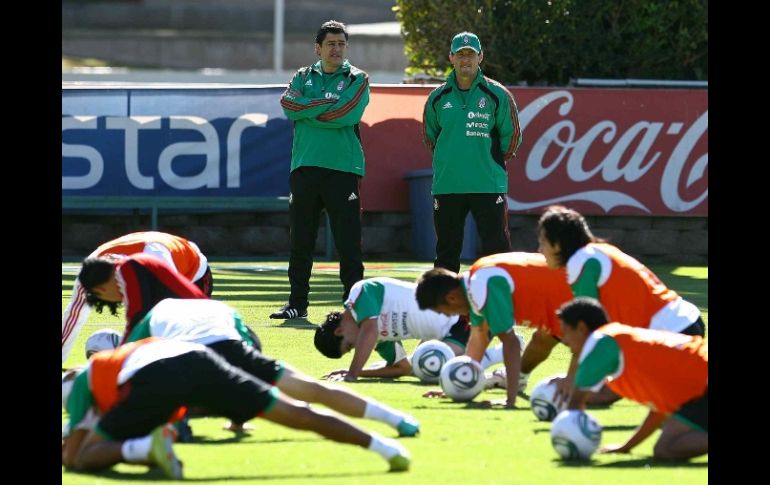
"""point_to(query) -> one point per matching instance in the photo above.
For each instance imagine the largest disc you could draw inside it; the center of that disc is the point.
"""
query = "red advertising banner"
(599, 151)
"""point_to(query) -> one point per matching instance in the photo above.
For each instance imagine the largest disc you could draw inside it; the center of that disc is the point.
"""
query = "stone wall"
(682, 240)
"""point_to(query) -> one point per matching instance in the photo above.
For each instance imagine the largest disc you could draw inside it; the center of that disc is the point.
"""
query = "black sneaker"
(288, 312)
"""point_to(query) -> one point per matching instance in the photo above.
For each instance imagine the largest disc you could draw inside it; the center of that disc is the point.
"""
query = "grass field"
(458, 443)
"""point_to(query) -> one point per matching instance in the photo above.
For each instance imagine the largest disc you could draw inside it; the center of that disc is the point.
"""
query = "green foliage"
(549, 42)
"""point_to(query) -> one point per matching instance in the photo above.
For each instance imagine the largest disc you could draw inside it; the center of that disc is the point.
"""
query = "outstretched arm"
(648, 426)
(365, 343)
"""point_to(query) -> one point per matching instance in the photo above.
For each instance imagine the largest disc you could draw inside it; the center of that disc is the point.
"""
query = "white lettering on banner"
(234, 145)
(669, 183)
(91, 154)
(562, 135)
(131, 126)
(208, 148)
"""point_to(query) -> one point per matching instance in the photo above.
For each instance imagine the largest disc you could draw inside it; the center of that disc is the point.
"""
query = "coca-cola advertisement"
(600, 151)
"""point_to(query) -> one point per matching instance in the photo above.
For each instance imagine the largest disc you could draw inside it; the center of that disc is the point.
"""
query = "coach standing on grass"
(471, 124)
(325, 101)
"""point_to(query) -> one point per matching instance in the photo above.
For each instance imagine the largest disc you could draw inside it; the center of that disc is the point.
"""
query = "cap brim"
(466, 47)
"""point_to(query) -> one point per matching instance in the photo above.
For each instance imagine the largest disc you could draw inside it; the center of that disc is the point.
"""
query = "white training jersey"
(393, 303)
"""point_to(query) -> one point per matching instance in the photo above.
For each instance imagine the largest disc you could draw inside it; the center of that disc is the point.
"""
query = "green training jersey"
(472, 135)
(326, 109)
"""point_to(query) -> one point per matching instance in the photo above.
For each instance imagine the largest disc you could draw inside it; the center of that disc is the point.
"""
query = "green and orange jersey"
(98, 383)
(180, 253)
(515, 288)
(659, 369)
(628, 290)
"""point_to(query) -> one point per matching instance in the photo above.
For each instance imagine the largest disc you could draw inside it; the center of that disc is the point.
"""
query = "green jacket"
(326, 110)
(472, 135)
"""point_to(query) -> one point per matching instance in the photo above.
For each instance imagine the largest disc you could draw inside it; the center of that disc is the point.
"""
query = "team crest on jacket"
(435, 204)
(482, 102)
(340, 86)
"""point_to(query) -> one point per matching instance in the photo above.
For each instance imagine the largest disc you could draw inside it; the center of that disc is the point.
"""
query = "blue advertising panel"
(175, 142)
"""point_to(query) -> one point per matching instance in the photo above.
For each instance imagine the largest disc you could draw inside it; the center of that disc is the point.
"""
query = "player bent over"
(139, 386)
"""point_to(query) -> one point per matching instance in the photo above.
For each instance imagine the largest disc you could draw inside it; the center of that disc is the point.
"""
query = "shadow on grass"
(649, 462)
(617, 427)
(154, 474)
(251, 436)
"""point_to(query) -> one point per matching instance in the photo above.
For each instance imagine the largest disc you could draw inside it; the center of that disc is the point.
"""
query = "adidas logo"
(499, 200)
(353, 196)
(447, 105)
(309, 82)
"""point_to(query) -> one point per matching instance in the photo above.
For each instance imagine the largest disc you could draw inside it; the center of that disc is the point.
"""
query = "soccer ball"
(106, 339)
(428, 359)
(462, 378)
(575, 435)
(542, 399)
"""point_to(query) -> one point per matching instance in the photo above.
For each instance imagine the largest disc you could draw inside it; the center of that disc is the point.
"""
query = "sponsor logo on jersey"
(447, 105)
(353, 196)
(309, 82)
(476, 114)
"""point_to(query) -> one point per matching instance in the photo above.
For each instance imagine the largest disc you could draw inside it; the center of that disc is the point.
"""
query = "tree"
(550, 42)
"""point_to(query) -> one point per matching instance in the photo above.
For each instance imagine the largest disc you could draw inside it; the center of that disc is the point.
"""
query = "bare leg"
(537, 350)
(604, 397)
(95, 453)
(294, 414)
(680, 442)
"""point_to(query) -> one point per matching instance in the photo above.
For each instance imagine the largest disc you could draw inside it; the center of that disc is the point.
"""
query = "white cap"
(105, 339)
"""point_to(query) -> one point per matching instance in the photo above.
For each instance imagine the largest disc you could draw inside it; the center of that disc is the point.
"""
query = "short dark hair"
(568, 228)
(585, 309)
(330, 27)
(433, 286)
(325, 341)
(94, 272)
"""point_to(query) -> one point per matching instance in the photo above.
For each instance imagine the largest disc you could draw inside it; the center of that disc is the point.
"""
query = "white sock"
(385, 447)
(492, 356)
(136, 450)
(382, 413)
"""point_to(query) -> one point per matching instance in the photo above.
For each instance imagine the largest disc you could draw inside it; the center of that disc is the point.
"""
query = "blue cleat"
(408, 427)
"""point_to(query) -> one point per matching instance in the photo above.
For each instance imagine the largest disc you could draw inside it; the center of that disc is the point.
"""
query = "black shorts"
(246, 357)
(199, 378)
(460, 332)
(695, 413)
(698, 328)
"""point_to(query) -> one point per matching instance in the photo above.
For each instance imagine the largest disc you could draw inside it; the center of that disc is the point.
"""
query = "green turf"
(458, 443)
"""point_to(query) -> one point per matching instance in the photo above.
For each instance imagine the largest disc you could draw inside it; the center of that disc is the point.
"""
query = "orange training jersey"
(538, 291)
(105, 367)
(660, 369)
(186, 257)
(629, 292)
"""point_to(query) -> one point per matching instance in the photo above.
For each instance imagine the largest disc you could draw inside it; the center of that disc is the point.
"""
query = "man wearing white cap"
(471, 124)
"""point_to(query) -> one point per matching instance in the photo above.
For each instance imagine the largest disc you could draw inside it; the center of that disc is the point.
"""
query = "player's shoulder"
(355, 71)
(496, 86)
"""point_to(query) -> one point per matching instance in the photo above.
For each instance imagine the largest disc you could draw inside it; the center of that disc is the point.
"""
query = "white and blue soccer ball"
(428, 359)
(575, 435)
(542, 399)
(462, 378)
(105, 339)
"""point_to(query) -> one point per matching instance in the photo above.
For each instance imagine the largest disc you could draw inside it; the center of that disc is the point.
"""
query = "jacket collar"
(452, 79)
(345, 67)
